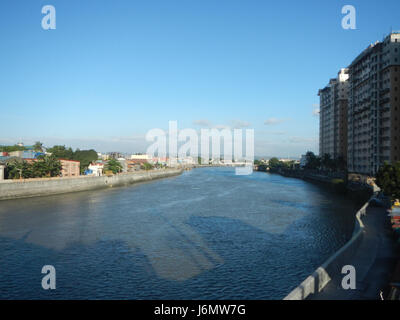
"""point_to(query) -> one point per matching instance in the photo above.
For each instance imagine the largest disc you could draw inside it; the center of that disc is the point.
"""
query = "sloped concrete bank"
(333, 266)
(15, 189)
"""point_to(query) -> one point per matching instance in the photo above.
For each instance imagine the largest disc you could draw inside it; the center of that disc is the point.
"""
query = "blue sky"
(112, 70)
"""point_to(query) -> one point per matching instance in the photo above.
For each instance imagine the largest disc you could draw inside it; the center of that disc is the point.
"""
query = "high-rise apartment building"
(374, 107)
(333, 117)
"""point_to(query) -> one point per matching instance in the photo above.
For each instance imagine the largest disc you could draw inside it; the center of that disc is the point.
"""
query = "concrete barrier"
(321, 277)
(26, 188)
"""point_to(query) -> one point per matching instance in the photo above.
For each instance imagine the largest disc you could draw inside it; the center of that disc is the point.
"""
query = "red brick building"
(70, 168)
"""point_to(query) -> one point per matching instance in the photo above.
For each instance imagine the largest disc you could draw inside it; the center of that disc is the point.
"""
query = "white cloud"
(233, 124)
(221, 127)
(203, 123)
(273, 121)
(239, 124)
(316, 112)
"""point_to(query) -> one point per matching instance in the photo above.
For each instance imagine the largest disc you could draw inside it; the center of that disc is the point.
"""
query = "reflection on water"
(206, 234)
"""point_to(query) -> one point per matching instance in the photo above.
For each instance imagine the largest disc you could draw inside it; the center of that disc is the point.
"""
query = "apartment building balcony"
(384, 145)
(384, 91)
(384, 100)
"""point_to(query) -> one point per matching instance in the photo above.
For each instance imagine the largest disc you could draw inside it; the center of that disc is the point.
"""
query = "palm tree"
(38, 146)
(15, 169)
(47, 166)
(114, 166)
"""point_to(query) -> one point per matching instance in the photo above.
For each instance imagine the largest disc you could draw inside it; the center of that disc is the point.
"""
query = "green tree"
(12, 148)
(114, 166)
(38, 146)
(287, 164)
(147, 166)
(312, 161)
(44, 166)
(273, 163)
(61, 152)
(85, 157)
(18, 169)
(50, 166)
(388, 179)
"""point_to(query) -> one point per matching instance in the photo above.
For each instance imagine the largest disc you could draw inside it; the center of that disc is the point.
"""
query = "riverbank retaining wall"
(26, 188)
(321, 277)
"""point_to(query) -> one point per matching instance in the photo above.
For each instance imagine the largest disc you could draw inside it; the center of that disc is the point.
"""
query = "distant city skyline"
(110, 72)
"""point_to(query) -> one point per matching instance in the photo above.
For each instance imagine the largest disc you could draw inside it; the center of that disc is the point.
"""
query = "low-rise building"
(140, 156)
(159, 160)
(26, 154)
(96, 169)
(114, 155)
(135, 164)
(124, 164)
(17, 154)
(70, 168)
(303, 161)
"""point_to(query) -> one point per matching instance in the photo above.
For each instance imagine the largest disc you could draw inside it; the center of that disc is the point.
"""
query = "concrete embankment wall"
(321, 277)
(14, 189)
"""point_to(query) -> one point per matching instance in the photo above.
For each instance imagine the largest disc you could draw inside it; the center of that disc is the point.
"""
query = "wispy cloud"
(203, 123)
(239, 124)
(221, 127)
(273, 121)
(233, 124)
(316, 110)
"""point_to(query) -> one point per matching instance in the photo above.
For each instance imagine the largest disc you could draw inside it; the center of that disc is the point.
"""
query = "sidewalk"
(374, 262)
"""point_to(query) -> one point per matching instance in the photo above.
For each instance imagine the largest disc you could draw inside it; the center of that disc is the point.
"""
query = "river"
(206, 234)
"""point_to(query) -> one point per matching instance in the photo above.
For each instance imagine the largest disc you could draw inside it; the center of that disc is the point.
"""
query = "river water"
(206, 234)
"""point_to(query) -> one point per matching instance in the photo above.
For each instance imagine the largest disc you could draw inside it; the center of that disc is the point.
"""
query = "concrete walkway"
(374, 262)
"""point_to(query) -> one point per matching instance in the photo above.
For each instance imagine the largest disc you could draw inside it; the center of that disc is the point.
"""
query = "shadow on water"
(185, 243)
(112, 270)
